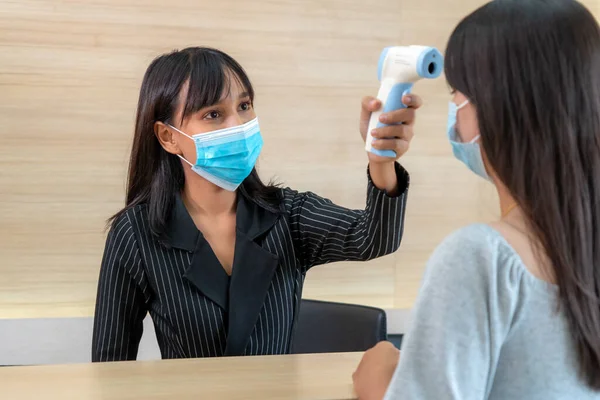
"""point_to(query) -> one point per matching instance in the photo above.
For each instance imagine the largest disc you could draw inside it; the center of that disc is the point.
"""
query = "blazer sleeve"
(120, 301)
(324, 232)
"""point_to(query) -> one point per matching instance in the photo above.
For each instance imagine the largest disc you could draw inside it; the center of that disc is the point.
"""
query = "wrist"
(383, 175)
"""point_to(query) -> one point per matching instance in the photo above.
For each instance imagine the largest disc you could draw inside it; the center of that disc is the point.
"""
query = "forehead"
(232, 82)
(233, 87)
(230, 88)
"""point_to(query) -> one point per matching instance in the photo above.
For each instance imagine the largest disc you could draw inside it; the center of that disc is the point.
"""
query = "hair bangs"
(454, 67)
(210, 79)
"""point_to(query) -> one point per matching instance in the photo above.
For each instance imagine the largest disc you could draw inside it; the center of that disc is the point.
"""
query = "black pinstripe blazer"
(200, 311)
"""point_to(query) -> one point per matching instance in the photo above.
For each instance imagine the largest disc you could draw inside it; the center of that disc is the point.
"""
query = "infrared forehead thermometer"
(399, 68)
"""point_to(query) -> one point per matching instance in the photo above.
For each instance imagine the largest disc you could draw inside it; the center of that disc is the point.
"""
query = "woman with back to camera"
(511, 309)
(216, 257)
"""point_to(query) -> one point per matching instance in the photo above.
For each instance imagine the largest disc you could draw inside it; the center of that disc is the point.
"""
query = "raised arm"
(120, 302)
(324, 232)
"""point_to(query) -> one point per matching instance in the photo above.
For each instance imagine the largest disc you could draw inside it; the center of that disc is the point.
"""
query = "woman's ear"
(166, 138)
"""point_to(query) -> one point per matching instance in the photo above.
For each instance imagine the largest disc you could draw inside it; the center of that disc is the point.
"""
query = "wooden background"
(70, 71)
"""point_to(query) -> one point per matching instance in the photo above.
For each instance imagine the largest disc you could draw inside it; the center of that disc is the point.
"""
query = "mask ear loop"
(464, 103)
(475, 139)
(184, 134)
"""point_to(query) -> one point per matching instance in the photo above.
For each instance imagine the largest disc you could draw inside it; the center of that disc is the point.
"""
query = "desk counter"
(310, 377)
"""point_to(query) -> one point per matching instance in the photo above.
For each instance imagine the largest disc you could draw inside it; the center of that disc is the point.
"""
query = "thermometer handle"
(390, 96)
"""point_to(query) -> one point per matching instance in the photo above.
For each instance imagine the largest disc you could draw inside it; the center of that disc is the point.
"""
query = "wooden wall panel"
(70, 71)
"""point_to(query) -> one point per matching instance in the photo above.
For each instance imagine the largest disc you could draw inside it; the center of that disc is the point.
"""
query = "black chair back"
(326, 327)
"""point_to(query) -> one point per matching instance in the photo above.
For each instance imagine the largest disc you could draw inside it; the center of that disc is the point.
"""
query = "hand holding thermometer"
(399, 68)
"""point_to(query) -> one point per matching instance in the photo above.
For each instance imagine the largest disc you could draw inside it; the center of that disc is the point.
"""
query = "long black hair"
(156, 176)
(532, 70)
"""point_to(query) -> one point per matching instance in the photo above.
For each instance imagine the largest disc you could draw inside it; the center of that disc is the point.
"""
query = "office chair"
(326, 327)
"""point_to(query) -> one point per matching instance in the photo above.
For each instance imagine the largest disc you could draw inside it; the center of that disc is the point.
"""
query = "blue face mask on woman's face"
(469, 153)
(227, 156)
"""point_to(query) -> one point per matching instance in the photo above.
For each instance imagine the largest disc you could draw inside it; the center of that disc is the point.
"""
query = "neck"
(202, 197)
(507, 202)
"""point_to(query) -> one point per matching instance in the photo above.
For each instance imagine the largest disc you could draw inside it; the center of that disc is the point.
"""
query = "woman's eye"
(212, 115)
(245, 106)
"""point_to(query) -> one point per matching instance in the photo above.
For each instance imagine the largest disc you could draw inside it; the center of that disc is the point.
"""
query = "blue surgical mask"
(227, 156)
(469, 153)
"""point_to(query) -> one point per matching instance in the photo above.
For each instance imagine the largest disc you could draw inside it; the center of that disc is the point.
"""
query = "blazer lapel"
(253, 269)
(204, 272)
(207, 275)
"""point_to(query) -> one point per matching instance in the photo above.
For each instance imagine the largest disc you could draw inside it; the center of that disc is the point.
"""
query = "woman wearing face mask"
(511, 309)
(216, 257)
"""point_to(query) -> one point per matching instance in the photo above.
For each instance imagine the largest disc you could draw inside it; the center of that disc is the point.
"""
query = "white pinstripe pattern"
(138, 276)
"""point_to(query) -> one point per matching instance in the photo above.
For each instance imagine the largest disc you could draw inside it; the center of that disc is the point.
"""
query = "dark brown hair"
(155, 176)
(532, 70)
